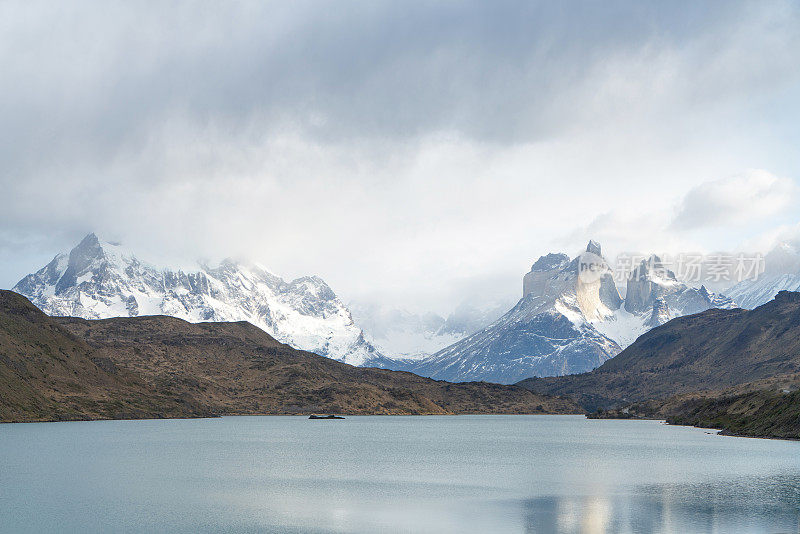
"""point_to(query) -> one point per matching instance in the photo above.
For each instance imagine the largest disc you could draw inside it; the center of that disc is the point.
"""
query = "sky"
(413, 154)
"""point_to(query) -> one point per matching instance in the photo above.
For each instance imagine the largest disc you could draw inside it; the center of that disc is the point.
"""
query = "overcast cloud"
(410, 153)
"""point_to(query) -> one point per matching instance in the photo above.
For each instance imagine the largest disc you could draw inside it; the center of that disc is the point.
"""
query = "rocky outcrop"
(588, 277)
(540, 280)
(649, 281)
(595, 289)
(651, 285)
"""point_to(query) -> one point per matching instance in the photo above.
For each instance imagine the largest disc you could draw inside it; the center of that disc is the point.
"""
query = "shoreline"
(719, 431)
(219, 416)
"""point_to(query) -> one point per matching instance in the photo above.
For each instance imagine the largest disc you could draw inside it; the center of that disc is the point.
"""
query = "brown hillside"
(712, 350)
(67, 368)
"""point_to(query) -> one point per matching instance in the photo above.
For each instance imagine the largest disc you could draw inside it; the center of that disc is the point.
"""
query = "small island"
(325, 417)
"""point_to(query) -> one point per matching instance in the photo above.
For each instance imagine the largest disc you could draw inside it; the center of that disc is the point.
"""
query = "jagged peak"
(87, 244)
(86, 253)
(91, 237)
(594, 248)
(93, 250)
(93, 246)
(652, 262)
(704, 292)
(650, 268)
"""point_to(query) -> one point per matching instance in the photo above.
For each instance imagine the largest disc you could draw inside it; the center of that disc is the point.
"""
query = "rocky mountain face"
(546, 333)
(652, 285)
(570, 320)
(522, 343)
(659, 315)
(781, 273)
(65, 368)
(98, 279)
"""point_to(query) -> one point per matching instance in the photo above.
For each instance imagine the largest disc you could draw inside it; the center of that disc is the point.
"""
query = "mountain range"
(99, 279)
(570, 319)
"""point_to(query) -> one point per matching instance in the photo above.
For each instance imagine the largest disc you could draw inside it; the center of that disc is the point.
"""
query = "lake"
(393, 474)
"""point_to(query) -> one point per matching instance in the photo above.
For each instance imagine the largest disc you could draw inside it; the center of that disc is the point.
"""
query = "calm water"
(393, 474)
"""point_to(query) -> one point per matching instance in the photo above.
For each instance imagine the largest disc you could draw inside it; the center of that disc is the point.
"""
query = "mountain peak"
(93, 248)
(653, 269)
(704, 292)
(91, 237)
(550, 261)
(81, 258)
(88, 245)
(594, 248)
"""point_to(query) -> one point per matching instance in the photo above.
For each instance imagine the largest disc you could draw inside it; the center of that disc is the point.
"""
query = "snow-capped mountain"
(409, 336)
(653, 296)
(781, 272)
(98, 280)
(570, 319)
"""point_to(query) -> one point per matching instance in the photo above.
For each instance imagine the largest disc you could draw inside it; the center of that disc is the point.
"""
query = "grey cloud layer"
(493, 70)
(280, 127)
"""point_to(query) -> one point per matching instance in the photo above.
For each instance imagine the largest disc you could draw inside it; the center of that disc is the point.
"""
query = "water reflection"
(753, 505)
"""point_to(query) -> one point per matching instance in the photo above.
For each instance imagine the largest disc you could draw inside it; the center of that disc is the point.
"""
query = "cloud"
(746, 211)
(405, 151)
(737, 200)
